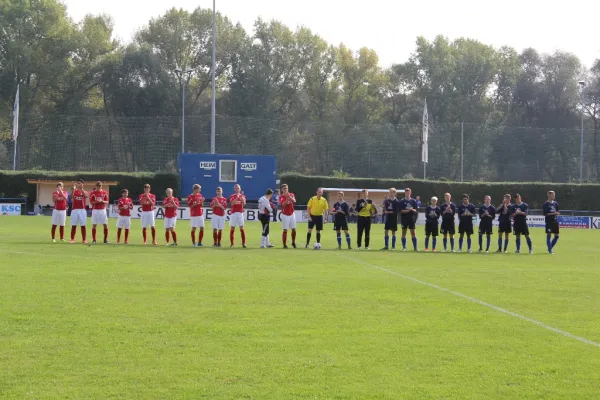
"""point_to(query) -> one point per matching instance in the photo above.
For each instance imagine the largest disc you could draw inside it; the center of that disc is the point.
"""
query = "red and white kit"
(236, 219)
(147, 200)
(288, 217)
(125, 206)
(78, 210)
(171, 206)
(195, 202)
(219, 207)
(97, 199)
(59, 214)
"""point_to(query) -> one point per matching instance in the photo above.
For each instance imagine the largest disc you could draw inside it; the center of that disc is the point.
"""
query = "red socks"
(53, 231)
(83, 232)
(219, 236)
(119, 235)
(167, 236)
(126, 235)
(174, 237)
(200, 236)
(243, 235)
(62, 232)
(94, 234)
(73, 231)
(215, 236)
(105, 233)
(284, 237)
(153, 234)
(294, 236)
(231, 234)
(144, 234)
(193, 238)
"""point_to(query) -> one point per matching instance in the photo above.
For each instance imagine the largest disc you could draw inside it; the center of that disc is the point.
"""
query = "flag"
(16, 116)
(425, 155)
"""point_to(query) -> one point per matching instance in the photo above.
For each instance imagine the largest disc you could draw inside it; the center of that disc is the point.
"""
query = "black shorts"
(504, 227)
(465, 227)
(486, 226)
(431, 229)
(408, 221)
(391, 222)
(552, 227)
(316, 222)
(340, 224)
(448, 227)
(521, 228)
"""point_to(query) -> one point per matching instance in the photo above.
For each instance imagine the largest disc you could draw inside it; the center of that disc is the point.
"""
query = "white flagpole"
(16, 126)
(425, 153)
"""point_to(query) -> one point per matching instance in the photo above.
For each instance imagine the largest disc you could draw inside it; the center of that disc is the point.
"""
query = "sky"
(391, 27)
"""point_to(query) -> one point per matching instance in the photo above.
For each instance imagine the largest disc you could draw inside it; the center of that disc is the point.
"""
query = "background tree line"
(289, 92)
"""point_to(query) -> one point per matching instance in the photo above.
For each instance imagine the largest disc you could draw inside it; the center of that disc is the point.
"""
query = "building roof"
(55, 181)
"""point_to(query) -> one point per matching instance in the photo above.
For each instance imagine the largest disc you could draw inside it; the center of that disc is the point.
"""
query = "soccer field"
(128, 322)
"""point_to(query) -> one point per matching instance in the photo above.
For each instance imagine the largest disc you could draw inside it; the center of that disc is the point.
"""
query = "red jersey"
(237, 207)
(147, 201)
(98, 195)
(195, 202)
(215, 208)
(171, 211)
(78, 199)
(287, 209)
(125, 205)
(60, 200)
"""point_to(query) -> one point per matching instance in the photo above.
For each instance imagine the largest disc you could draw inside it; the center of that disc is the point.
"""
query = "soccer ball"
(317, 246)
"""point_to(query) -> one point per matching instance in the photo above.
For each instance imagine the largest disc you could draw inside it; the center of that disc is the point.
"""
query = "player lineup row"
(511, 217)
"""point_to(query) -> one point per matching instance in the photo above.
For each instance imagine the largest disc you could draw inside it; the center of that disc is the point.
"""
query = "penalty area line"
(477, 301)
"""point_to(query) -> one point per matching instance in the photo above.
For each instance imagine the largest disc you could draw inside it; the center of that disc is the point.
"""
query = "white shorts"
(170, 223)
(59, 217)
(288, 221)
(148, 219)
(236, 219)
(197, 222)
(218, 222)
(78, 217)
(123, 222)
(99, 217)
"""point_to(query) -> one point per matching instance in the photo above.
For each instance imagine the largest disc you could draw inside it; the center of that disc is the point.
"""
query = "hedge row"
(570, 196)
(14, 183)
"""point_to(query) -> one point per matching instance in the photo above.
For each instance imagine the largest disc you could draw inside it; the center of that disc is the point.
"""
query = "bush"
(570, 196)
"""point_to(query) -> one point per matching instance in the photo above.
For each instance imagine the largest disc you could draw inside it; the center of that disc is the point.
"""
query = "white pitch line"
(477, 301)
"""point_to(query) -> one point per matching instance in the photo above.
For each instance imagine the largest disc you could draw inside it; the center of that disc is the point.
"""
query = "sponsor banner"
(184, 214)
(10, 209)
(595, 222)
(574, 222)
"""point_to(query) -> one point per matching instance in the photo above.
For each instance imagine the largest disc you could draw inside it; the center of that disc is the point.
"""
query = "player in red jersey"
(195, 201)
(124, 222)
(288, 216)
(237, 201)
(219, 207)
(78, 210)
(171, 206)
(59, 214)
(98, 201)
(148, 201)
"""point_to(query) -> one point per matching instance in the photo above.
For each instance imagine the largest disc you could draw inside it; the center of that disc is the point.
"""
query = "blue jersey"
(504, 213)
(448, 211)
(409, 205)
(466, 212)
(550, 207)
(391, 206)
(432, 214)
(341, 206)
(520, 218)
(487, 212)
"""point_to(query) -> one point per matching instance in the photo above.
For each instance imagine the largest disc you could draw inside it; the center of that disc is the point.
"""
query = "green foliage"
(14, 183)
(340, 173)
(570, 196)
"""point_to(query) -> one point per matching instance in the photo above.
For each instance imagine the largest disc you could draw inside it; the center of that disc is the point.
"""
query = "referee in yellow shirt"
(317, 212)
(366, 209)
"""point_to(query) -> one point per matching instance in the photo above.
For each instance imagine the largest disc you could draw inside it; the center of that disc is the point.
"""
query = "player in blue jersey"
(519, 214)
(340, 212)
(391, 207)
(487, 213)
(504, 212)
(466, 211)
(551, 213)
(448, 210)
(408, 208)
(432, 216)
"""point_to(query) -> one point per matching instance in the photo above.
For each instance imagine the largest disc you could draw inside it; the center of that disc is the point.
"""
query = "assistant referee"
(317, 211)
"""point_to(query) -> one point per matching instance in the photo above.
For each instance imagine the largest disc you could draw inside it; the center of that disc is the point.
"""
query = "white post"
(182, 113)
(213, 108)
(462, 154)
(15, 157)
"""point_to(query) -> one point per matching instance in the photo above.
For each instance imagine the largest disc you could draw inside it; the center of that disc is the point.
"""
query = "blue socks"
(529, 244)
(348, 240)
(414, 240)
(339, 239)
(480, 241)
(518, 243)
(469, 242)
(505, 244)
(387, 240)
(427, 242)
(434, 242)
(460, 243)
(394, 242)
(489, 240)
(499, 242)
(403, 242)
(554, 241)
(445, 243)
(452, 243)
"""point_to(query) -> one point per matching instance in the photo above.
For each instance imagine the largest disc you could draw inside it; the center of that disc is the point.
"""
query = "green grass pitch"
(144, 322)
